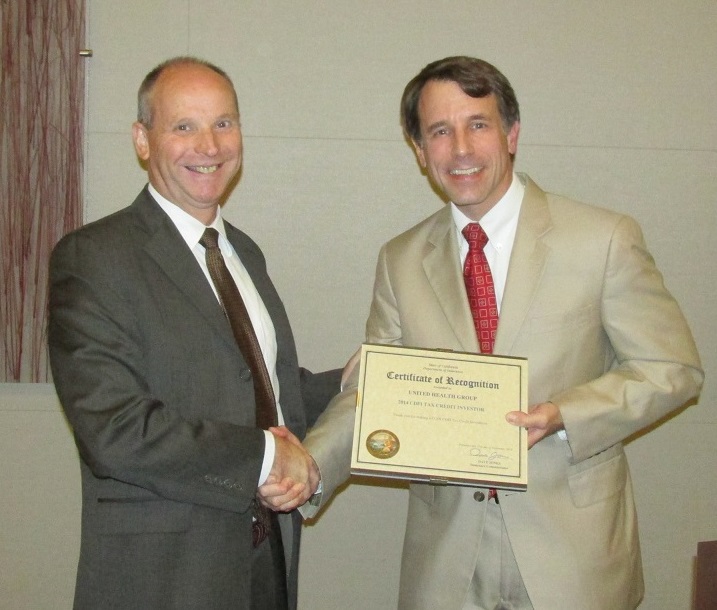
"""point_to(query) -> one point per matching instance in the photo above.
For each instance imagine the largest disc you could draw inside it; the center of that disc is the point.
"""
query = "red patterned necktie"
(481, 295)
(480, 288)
(245, 337)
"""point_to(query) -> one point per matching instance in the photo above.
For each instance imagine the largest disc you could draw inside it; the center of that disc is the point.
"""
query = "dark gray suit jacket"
(161, 403)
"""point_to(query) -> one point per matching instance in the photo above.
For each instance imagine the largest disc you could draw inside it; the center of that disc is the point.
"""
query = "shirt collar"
(497, 220)
(189, 227)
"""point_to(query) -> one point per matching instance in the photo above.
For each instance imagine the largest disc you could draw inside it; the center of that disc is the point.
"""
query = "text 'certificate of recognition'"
(439, 416)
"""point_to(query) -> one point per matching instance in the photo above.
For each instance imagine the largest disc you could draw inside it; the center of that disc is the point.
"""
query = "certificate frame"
(439, 416)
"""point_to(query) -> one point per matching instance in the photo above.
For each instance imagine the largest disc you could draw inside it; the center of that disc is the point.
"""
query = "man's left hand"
(541, 420)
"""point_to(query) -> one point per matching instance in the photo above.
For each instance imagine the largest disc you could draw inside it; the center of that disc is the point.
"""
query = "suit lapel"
(168, 249)
(255, 266)
(527, 263)
(253, 261)
(444, 274)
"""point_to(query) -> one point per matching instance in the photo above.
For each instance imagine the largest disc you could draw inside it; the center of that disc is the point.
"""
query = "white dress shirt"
(499, 224)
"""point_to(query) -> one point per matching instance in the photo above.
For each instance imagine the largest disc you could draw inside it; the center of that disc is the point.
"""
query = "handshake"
(294, 476)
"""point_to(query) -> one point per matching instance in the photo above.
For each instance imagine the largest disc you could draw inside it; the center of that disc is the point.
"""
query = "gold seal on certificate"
(382, 444)
(439, 416)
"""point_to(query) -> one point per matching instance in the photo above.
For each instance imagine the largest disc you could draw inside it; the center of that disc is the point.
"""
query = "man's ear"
(512, 135)
(419, 152)
(141, 140)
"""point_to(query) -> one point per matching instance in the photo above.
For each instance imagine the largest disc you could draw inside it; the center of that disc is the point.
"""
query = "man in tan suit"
(609, 354)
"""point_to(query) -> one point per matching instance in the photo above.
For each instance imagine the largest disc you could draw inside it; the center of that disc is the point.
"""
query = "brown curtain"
(41, 119)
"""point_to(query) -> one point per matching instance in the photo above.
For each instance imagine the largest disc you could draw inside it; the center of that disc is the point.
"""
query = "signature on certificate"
(487, 455)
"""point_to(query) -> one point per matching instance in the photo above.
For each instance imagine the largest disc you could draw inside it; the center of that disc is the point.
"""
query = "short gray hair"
(144, 95)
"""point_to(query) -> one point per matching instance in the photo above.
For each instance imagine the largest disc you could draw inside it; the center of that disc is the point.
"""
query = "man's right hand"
(294, 476)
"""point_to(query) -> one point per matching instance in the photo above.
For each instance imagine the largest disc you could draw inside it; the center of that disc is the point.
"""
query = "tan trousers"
(497, 584)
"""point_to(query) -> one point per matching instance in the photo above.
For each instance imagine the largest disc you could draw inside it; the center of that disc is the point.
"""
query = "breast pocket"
(566, 321)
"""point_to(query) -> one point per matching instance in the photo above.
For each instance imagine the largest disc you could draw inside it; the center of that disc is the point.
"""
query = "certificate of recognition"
(439, 416)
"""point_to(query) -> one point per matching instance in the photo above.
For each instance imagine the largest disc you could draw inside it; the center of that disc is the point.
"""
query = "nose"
(462, 143)
(207, 143)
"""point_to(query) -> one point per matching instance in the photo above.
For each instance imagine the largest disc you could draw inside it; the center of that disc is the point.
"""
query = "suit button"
(245, 375)
(479, 496)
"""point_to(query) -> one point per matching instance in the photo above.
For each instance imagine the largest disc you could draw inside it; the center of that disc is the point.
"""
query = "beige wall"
(618, 109)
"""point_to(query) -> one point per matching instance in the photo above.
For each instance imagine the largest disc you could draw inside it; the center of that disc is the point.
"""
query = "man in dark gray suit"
(157, 391)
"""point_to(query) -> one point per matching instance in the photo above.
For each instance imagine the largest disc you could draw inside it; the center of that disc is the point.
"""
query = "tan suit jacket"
(605, 341)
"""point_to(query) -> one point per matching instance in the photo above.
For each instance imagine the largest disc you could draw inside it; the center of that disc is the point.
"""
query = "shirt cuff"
(269, 451)
(315, 500)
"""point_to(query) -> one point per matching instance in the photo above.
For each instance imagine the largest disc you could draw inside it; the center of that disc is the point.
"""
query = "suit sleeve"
(384, 322)
(329, 442)
(123, 429)
(317, 390)
(656, 367)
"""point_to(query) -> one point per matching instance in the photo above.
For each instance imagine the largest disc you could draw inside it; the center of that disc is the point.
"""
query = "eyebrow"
(473, 117)
(234, 116)
(435, 126)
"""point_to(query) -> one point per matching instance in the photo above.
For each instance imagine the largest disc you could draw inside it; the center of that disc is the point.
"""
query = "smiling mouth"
(465, 172)
(203, 169)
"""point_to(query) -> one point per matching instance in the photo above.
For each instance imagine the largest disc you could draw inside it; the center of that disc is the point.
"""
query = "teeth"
(204, 169)
(465, 172)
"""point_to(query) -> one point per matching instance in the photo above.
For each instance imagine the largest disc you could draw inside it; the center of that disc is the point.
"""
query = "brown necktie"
(480, 288)
(244, 334)
(481, 295)
(245, 337)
